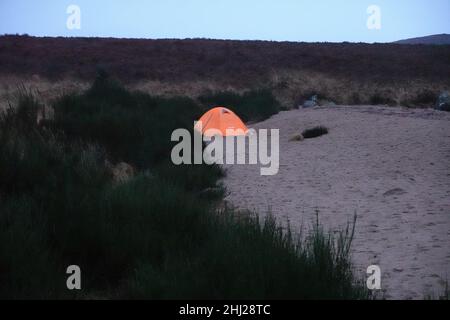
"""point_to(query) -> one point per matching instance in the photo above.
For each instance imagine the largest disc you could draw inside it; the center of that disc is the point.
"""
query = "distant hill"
(345, 73)
(233, 62)
(434, 39)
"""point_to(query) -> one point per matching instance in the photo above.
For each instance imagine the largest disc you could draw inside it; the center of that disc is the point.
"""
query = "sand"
(389, 165)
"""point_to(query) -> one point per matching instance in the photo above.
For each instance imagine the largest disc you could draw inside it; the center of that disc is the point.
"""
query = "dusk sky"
(293, 20)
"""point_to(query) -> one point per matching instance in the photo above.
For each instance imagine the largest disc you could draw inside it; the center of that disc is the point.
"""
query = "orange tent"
(221, 118)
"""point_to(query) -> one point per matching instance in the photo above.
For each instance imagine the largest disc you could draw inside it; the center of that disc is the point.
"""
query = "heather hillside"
(351, 73)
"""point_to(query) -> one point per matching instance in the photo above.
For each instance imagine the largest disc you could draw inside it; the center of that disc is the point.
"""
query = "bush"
(426, 98)
(133, 127)
(152, 236)
(355, 98)
(379, 98)
(47, 187)
(314, 132)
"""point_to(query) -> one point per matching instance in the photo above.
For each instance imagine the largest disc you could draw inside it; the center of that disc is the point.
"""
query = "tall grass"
(151, 236)
(248, 259)
(134, 127)
(46, 187)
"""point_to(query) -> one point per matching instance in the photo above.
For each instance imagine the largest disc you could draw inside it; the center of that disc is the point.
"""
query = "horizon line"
(215, 39)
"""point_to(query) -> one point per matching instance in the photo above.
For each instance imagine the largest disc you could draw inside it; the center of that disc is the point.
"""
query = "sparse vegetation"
(443, 295)
(151, 236)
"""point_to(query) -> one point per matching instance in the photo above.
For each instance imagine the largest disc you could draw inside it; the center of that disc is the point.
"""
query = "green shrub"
(29, 268)
(379, 98)
(46, 186)
(133, 127)
(423, 98)
(355, 98)
(426, 97)
(155, 236)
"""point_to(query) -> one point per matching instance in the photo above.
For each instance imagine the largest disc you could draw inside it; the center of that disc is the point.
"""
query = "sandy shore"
(389, 165)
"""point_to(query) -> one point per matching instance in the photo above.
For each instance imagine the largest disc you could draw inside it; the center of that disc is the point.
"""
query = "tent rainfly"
(223, 120)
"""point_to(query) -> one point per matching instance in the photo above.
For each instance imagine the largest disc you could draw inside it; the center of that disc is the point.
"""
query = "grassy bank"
(158, 234)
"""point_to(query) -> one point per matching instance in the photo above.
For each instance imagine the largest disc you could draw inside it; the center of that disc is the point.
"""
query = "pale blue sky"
(293, 20)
